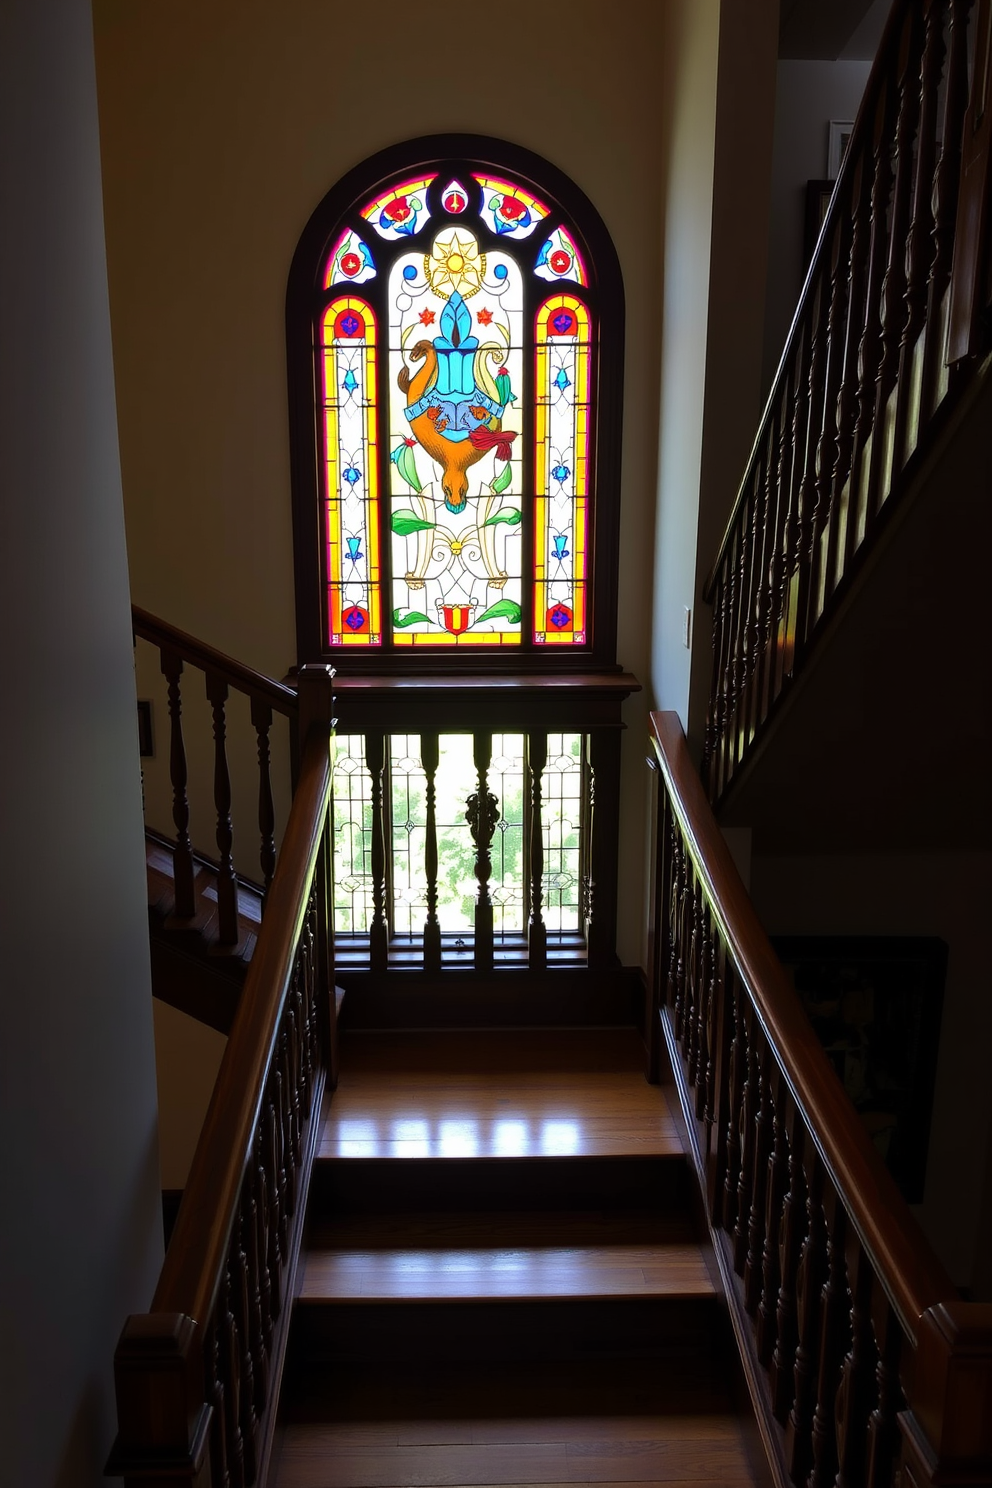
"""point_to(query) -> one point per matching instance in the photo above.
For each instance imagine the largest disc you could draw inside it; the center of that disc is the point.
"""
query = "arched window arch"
(455, 330)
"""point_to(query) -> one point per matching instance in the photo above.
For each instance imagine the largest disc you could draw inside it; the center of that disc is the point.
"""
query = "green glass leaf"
(505, 514)
(402, 621)
(405, 522)
(501, 482)
(505, 609)
(402, 458)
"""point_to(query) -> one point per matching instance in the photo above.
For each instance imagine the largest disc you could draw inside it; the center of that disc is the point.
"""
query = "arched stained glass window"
(455, 332)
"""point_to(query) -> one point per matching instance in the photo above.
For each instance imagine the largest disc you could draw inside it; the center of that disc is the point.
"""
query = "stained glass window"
(457, 342)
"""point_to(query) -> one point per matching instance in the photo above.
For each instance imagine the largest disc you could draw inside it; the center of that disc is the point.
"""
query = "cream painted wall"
(222, 127)
(187, 1058)
(716, 244)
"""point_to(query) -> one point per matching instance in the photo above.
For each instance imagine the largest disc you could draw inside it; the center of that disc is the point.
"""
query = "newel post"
(947, 1433)
(163, 1418)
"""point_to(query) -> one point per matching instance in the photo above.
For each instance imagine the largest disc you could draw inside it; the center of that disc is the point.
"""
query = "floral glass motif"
(400, 212)
(562, 370)
(509, 209)
(348, 365)
(349, 261)
(559, 259)
(455, 358)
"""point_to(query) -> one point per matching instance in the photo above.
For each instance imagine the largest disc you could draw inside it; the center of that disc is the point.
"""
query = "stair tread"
(521, 1114)
(520, 1273)
(459, 1229)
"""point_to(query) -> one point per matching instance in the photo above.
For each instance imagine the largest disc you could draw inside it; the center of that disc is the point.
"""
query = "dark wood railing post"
(429, 754)
(482, 812)
(182, 853)
(947, 1438)
(162, 1410)
(969, 272)
(227, 884)
(601, 886)
(261, 717)
(537, 935)
(375, 760)
(315, 686)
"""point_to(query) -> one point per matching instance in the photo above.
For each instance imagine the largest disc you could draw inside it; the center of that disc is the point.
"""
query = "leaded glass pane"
(400, 212)
(351, 477)
(349, 261)
(560, 259)
(510, 210)
(562, 362)
(561, 820)
(352, 836)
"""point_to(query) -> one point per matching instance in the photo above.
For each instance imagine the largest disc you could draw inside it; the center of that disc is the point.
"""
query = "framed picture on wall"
(839, 132)
(875, 1003)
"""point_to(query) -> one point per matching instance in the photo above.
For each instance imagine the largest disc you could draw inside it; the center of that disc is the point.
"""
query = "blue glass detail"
(560, 472)
(559, 617)
(354, 548)
(561, 551)
(409, 272)
(352, 474)
(564, 322)
(349, 382)
(500, 271)
(563, 380)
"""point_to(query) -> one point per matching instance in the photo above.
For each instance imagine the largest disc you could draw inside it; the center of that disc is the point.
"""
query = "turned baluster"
(182, 852)
(856, 1395)
(883, 1424)
(295, 1047)
(286, 1125)
(792, 1237)
(739, 610)
(430, 755)
(681, 939)
(260, 1242)
(714, 993)
(771, 639)
(261, 717)
(375, 761)
(275, 1181)
(253, 1278)
(857, 274)
(826, 449)
(537, 934)
(919, 244)
(747, 1119)
(756, 540)
(775, 1189)
(785, 604)
(809, 1284)
(893, 303)
(799, 610)
(227, 887)
(230, 1365)
(869, 345)
(735, 1080)
(672, 919)
(703, 992)
(947, 180)
(694, 931)
(718, 696)
(764, 565)
(241, 1307)
(711, 736)
(482, 814)
(215, 1395)
(835, 1309)
(754, 1264)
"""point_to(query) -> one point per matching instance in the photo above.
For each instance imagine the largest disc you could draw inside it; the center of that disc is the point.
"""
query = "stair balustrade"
(863, 1362)
(222, 675)
(198, 1376)
(888, 336)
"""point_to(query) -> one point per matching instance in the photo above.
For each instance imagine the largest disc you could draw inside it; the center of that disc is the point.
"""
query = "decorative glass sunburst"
(455, 263)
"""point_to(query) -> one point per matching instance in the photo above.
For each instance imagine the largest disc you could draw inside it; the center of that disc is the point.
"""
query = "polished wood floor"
(502, 1284)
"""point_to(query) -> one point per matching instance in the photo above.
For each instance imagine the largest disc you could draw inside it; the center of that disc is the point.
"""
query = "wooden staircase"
(502, 1282)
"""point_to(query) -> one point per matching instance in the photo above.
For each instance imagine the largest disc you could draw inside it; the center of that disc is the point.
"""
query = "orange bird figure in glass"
(453, 405)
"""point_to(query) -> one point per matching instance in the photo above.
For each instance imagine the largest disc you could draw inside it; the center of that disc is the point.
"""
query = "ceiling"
(831, 30)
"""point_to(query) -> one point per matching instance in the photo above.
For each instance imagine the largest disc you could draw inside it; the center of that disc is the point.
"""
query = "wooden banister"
(887, 338)
(851, 1332)
(197, 653)
(192, 1268)
(198, 1376)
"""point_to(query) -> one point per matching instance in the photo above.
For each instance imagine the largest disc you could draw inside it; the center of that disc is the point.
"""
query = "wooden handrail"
(868, 383)
(864, 1366)
(862, 124)
(911, 1274)
(244, 678)
(194, 1261)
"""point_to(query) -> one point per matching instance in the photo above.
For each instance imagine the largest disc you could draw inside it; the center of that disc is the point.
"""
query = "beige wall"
(187, 1058)
(223, 125)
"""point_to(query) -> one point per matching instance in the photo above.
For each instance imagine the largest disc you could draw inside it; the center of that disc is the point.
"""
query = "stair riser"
(399, 1184)
(564, 1330)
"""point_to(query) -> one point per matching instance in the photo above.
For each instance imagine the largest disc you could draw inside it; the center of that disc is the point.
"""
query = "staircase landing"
(502, 1284)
